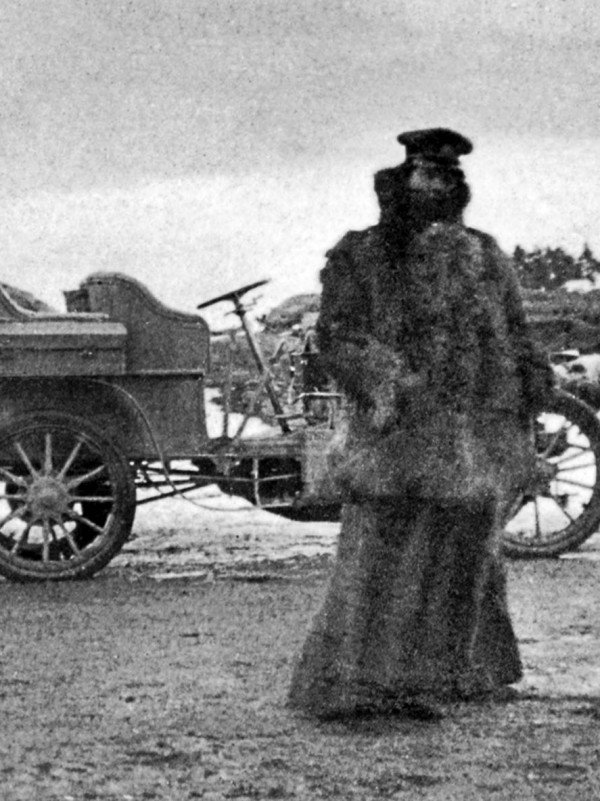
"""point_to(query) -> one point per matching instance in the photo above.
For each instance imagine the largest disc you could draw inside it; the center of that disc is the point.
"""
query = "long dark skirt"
(416, 610)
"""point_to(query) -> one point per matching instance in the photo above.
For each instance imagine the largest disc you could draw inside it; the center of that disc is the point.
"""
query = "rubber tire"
(576, 533)
(97, 555)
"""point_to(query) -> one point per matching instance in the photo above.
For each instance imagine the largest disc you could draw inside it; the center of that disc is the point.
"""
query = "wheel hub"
(47, 497)
(543, 474)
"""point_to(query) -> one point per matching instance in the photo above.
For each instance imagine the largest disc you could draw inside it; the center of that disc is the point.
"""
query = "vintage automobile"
(104, 406)
(108, 398)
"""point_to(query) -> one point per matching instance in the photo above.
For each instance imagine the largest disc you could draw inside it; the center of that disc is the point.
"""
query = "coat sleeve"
(367, 370)
(537, 378)
(536, 373)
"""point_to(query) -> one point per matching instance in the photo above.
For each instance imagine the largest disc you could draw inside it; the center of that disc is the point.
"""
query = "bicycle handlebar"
(234, 295)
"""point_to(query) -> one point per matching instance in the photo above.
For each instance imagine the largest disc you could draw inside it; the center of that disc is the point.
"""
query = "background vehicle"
(561, 507)
(110, 398)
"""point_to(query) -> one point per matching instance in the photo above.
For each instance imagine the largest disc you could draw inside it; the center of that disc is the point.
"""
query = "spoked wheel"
(560, 508)
(67, 498)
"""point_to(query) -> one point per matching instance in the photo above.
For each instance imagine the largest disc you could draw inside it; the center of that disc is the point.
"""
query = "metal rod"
(263, 368)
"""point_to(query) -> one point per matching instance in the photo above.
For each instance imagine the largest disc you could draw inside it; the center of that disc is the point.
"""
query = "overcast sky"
(220, 142)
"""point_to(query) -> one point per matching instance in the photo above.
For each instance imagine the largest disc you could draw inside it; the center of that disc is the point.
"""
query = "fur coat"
(432, 351)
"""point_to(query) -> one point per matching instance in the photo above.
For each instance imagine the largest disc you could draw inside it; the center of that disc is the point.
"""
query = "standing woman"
(422, 327)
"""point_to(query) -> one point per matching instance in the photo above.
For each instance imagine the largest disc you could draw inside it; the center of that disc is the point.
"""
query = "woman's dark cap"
(435, 144)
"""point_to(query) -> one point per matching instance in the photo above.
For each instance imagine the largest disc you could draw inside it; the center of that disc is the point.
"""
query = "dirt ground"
(165, 678)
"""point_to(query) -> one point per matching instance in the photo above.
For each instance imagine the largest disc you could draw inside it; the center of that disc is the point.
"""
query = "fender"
(94, 399)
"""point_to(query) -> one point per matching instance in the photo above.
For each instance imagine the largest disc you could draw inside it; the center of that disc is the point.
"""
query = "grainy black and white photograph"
(300, 400)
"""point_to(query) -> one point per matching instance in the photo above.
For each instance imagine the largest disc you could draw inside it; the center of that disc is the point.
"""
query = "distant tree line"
(550, 268)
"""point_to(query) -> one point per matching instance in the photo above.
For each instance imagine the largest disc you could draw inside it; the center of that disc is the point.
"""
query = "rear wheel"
(560, 508)
(67, 498)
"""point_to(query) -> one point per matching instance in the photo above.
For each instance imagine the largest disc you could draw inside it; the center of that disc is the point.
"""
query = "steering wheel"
(234, 295)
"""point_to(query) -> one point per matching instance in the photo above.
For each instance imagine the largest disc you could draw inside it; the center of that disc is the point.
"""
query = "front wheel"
(560, 508)
(67, 498)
